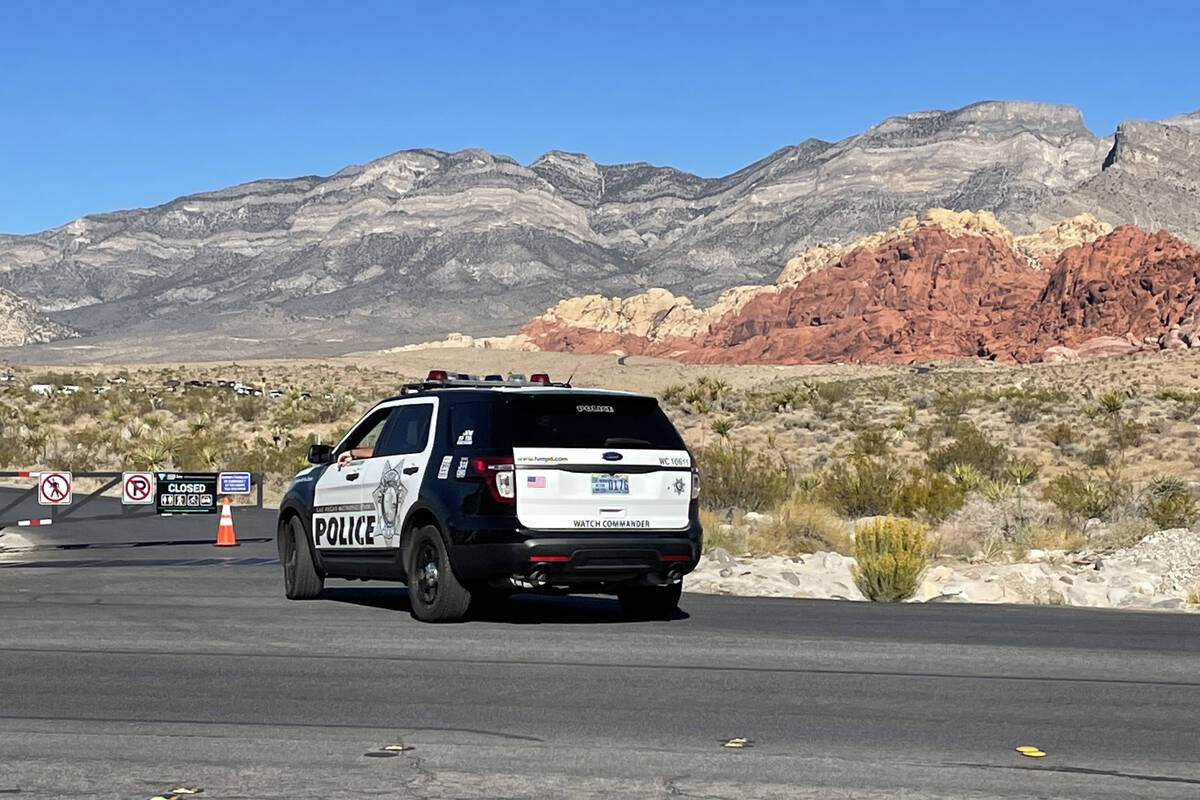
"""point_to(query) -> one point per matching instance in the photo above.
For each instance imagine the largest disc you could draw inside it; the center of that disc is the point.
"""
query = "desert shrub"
(1023, 410)
(982, 524)
(891, 555)
(738, 477)
(1055, 537)
(1122, 534)
(834, 392)
(928, 494)
(1169, 504)
(950, 406)
(722, 427)
(966, 476)
(1125, 433)
(801, 526)
(861, 487)
(248, 408)
(673, 393)
(970, 446)
(871, 441)
(1111, 403)
(1084, 499)
(1061, 434)
(1098, 456)
(717, 534)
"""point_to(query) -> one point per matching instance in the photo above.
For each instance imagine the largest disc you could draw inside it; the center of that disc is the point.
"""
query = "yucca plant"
(892, 554)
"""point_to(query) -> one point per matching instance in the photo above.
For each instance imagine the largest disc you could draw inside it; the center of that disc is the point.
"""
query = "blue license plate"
(610, 484)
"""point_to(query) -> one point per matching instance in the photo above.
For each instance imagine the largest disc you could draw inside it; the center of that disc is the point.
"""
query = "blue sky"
(125, 104)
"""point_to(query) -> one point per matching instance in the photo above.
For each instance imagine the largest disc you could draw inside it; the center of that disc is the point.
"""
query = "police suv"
(466, 489)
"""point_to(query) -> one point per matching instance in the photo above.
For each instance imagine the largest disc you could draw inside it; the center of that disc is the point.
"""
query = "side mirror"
(320, 454)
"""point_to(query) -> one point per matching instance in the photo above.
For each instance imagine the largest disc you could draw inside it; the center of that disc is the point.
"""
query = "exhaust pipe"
(675, 576)
(539, 577)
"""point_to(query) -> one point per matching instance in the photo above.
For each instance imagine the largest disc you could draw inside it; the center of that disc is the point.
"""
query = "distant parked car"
(41, 388)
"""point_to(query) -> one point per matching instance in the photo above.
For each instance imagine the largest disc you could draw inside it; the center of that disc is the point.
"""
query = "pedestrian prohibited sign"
(137, 488)
(185, 492)
(54, 489)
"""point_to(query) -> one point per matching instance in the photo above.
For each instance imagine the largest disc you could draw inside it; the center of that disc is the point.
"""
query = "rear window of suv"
(581, 420)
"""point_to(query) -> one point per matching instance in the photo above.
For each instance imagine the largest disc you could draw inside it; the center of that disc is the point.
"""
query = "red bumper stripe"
(549, 558)
(675, 558)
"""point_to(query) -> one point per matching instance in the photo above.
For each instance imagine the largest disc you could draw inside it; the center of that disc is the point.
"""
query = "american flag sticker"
(535, 482)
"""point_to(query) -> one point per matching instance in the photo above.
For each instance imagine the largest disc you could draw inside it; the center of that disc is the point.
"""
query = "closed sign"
(186, 493)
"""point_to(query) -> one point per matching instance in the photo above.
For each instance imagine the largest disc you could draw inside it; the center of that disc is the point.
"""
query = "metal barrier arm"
(20, 498)
(57, 514)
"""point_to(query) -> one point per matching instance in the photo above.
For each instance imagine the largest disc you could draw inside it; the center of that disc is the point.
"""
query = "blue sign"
(233, 483)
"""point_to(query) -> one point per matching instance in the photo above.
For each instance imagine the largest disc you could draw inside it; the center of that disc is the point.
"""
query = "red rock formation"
(930, 294)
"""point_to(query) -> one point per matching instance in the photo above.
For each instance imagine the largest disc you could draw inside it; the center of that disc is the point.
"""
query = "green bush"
(892, 554)
(1169, 504)
(971, 447)
(1085, 499)
(861, 487)
(738, 477)
(930, 495)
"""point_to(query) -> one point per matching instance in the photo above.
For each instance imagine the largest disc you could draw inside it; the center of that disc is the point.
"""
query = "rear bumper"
(582, 558)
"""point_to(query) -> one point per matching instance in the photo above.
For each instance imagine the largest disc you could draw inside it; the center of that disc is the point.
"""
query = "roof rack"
(441, 379)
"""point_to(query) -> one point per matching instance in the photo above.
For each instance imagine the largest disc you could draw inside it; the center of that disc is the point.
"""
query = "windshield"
(581, 420)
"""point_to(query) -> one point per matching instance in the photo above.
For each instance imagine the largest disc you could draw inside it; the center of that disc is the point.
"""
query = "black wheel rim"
(427, 573)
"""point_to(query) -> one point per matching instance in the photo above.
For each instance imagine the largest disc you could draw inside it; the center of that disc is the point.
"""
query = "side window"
(407, 430)
(367, 432)
(470, 425)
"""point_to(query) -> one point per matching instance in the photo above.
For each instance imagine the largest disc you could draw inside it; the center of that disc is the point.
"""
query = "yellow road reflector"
(399, 748)
(737, 741)
(1032, 753)
(187, 790)
(1028, 748)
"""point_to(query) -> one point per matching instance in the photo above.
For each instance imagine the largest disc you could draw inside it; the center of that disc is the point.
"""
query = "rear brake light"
(497, 473)
(695, 484)
(539, 377)
(666, 557)
(548, 559)
(436, 375)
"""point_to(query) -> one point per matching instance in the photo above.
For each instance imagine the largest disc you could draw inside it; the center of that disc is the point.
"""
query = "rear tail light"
(497, 472)
(539, 377)
(436, 375)
(695, 484)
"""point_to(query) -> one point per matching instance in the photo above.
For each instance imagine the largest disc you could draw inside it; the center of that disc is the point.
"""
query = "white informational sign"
(137, 488)
(54, 489)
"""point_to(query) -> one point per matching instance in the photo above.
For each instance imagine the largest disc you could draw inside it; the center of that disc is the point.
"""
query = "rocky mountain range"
(949, 285)
(422, 242)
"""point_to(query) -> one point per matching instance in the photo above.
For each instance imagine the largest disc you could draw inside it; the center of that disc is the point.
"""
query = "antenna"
(572, 375)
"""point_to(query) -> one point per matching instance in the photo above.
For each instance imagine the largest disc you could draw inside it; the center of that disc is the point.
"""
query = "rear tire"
(435, 593)
(650, 602)
(300, 578)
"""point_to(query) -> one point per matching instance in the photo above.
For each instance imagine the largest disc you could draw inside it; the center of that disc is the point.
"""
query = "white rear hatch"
(579, 488)
(598, 461)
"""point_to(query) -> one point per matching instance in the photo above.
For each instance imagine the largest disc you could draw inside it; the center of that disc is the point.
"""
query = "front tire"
(300, 578)
(435, 593)
(650, 602)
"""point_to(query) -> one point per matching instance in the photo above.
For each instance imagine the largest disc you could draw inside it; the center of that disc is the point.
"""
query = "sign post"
(54, 489)
(185, 493)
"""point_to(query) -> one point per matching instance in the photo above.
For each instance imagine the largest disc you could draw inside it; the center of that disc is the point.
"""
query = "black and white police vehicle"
(466, 489)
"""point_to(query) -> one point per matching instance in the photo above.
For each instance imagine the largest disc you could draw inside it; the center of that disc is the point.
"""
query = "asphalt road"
(129, 670)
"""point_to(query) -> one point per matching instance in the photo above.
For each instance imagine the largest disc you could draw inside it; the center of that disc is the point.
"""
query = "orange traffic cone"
(225, 537)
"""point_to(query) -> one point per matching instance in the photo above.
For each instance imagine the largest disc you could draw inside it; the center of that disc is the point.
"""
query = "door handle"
(351, 476)
(411, 470)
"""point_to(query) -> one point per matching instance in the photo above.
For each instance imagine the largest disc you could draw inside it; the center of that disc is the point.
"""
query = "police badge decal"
(388, 497)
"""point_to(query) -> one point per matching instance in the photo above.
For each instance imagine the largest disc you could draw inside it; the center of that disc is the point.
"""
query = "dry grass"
(801, 526)
(1137, 414)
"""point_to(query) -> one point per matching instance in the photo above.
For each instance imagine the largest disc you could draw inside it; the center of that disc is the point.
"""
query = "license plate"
(610, 484)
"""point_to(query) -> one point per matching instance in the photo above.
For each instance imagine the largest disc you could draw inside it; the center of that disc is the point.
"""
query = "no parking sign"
(137, 488)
